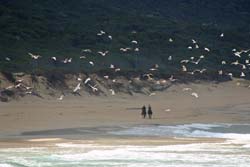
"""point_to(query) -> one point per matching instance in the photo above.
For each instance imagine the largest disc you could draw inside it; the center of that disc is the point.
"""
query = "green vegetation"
(63, 28)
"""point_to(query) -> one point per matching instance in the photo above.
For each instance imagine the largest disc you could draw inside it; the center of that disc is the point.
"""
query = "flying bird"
(103, 53)
(34, 56)
(7, 58)
(169, 58)
(86, 50)
(53, 58)
(61, 97)
(195, 95)
(78, 87)
(184, 68)
(134, 42)
(112, 92)
(87, 80)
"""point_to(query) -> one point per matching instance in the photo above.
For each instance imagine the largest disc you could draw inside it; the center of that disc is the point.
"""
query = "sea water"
(234, 151)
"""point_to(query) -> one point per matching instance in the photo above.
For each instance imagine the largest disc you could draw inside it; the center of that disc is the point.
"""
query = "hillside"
(64, 28)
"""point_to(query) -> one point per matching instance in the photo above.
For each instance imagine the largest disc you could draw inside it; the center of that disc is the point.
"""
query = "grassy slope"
(62, 28)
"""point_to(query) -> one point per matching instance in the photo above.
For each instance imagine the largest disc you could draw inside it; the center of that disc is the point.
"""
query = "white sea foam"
(73, 145)
(188, 130)
(5, 165)
(234, 152)
(212, 154)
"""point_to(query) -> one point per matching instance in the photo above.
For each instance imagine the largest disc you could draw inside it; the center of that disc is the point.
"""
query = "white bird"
(202, 56)
(153, 69)
(197, 46)
(200, 71)
(34, 56)
(222, 35)
(207, 49)
(91, 63)
(194, 41)
(82, 57)
(186, 89)
(243, 66)
(172, 79)
(247, 61)
(110, 37)
(9, 87)
(234, 50)
(29, 92)
(196, 62)
(86, 50)
(169, 58)
(106, 76)
(112, 92)
(184, 68)
(134, 42)
(94, 89)
(230, 75)
(235, 63)
(7, 58)
(79, 79)
(167, 110)
(223, 62)
(190, 47)
(27, 87)
(20, 80)
(237, 54)
(112, 66)
(78, 87)
(67, 60)
(61, 97)
(195, 94)
(53, 58)
(156, 66)
(117, 69)
(101, 33)
(103, 53)
(18, 85)
(137, 49)
(125, 49)
(87, 80)
(170, 40)
(220, 72)
(184, 61)
(242, 74)
(152, 94)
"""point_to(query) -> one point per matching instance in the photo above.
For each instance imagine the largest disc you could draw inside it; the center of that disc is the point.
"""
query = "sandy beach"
(109, 130)
(226, 102)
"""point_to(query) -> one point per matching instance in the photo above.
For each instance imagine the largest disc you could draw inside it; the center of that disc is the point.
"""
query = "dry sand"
(217, 103)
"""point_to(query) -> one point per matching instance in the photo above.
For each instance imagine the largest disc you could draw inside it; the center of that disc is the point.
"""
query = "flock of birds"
(134, 47)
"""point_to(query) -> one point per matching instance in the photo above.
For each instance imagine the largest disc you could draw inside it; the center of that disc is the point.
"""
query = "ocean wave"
(233, 133)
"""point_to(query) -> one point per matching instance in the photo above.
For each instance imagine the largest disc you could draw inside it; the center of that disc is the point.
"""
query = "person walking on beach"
(150, 112)
(143, 112)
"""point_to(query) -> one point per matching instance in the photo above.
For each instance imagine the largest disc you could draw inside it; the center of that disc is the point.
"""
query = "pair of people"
(144, 112)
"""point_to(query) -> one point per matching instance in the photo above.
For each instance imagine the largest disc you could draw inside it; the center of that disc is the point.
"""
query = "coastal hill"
(55, 48)
(62, 29)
